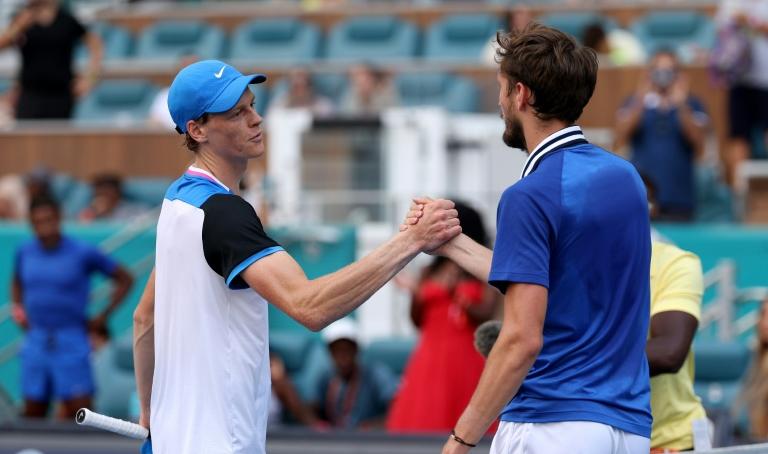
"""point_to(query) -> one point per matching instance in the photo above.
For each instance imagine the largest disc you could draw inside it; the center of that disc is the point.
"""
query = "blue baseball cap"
(208, 86)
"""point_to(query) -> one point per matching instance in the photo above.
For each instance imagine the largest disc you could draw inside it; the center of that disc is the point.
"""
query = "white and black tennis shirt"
(211, 385)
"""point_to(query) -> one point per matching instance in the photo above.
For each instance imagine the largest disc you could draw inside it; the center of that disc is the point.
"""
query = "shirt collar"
(572, 135)
(200, 173)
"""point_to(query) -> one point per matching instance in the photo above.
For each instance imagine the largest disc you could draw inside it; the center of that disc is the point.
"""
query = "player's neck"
(539, 130)
(229, 172)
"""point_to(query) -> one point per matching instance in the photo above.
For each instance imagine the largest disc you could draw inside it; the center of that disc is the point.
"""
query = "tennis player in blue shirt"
(568, 373)
(51, 283)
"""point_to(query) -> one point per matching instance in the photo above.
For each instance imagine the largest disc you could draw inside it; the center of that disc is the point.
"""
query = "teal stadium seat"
(176, 39)
(720, 367)
(373, 38)
(574, 23)
(460, 37)
(393, 353)
(275, 40)
(681, 31)
(305, 357)
(454, 93)
(146, 191)
(117, 101)
(117, 41)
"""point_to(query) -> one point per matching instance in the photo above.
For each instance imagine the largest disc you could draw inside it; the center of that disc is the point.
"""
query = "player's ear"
(522, 96)
(197, 131)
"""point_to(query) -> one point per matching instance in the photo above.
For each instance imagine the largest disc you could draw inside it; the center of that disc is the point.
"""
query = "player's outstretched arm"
(316, 303)
(473, 257)
(144, 347)
(512, 355)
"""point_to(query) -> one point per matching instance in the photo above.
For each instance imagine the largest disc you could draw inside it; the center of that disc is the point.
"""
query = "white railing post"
(727, 294)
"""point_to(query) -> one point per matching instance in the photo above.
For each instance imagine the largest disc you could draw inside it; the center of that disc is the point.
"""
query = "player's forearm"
(471, 256)
(144, 346)
(507, 365)
(330, 297)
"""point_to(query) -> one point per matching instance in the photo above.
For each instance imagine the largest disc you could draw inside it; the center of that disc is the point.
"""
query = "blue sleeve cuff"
(501, 280)
(251, 260)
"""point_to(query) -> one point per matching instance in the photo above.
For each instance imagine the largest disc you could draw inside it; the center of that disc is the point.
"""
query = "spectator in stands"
(47, 36)
(49, 295)
(665, 126)
(754, 395)
(676, 292)
(748, 95)
(595, 38)
(301, 94)
(447, 305)
(352, 395)
(108, 202)
(286, 400)
(370, 92)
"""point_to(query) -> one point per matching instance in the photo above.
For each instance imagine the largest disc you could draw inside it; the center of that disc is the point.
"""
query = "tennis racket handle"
(86, 417)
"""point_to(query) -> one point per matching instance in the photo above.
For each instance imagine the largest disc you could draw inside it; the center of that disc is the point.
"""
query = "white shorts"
(571, 437)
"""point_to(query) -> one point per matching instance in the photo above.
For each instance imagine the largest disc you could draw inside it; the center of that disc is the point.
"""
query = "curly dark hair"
(560, 72)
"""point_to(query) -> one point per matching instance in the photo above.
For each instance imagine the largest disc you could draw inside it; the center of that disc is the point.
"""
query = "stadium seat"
(720, 367)
(574, 23)
(176, 39)
(460, 37)
(393, 353)
(682, 31)
(146, 191)
(275, 40)
(373, 38)
(454, 93)
(117, 41)
(305, 357)
(5, 85)
(117, 101)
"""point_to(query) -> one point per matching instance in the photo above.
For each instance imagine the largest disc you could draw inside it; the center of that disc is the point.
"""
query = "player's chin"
(254, 148)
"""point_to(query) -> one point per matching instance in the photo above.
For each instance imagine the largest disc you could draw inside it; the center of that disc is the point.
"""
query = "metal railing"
(721, 311)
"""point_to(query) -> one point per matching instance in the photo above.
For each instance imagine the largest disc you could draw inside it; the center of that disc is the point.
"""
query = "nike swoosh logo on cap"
(220, 73)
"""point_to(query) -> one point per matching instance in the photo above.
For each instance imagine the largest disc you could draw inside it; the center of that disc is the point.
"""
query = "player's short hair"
(44, 201)
(560, 72)
(192, 144)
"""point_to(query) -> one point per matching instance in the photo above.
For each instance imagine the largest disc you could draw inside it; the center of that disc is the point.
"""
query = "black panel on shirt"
(46, 54)
(232, 232)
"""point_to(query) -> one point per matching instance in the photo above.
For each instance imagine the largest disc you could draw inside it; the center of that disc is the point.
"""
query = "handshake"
(432, 223)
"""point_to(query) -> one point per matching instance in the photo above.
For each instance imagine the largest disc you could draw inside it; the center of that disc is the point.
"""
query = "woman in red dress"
(443, 371)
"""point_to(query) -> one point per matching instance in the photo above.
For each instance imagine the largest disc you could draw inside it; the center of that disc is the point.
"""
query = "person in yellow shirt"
(676, 292)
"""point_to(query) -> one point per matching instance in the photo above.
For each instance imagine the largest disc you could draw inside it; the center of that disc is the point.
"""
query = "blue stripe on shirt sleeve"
(251, 260)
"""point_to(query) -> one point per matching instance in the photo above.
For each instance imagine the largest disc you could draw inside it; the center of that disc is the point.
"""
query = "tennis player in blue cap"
(200, 330)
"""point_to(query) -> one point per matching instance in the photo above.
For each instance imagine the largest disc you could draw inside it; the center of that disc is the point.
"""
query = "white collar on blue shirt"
(557, 140)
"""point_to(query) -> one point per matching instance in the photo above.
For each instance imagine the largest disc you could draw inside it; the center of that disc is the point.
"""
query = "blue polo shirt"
(55, 282)
(577, 223)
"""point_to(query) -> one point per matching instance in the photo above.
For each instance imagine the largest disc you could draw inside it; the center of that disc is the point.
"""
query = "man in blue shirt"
(665, 127)
(568, 373)
(353, 394)
(50, 288)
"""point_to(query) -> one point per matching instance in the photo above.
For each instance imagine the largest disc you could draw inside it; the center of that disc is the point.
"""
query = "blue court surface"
(65, 439)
